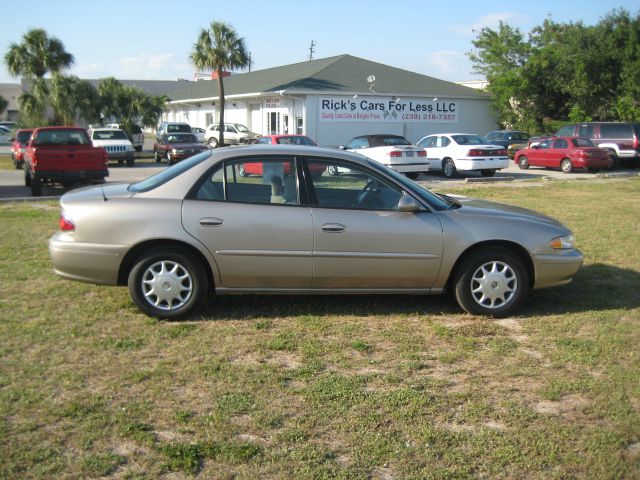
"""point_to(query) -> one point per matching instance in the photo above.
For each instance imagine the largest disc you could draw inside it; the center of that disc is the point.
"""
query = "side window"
(566, 131)
(585, 131)
(230, 129)
(358, 143)
(356, 188)
(443, 142)
(560, 143)
(428, 142)
(252, 180)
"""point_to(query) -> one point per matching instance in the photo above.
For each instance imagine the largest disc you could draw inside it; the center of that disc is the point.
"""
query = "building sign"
(272, 102)
(387, 109)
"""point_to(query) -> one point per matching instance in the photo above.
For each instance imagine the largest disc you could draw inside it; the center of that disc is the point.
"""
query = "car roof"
(304, 150)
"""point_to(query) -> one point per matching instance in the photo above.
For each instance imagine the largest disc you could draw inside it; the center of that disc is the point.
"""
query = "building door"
(273, 123)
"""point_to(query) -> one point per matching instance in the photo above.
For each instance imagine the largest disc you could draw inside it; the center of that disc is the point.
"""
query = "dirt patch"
(568, 406)
(256, 440)
(382, 473)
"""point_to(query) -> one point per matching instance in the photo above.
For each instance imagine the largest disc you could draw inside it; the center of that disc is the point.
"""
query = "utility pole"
(250, 62)
(311, 50)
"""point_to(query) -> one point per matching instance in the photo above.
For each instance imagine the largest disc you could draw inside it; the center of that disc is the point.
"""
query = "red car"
(177, 146)
(255, 168)
(18, 146)
(565, 153)
(285, 140)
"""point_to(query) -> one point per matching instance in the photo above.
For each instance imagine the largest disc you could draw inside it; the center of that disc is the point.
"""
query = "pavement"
(12, 186)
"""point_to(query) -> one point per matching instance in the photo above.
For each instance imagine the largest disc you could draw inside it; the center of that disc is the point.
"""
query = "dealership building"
(334, 99)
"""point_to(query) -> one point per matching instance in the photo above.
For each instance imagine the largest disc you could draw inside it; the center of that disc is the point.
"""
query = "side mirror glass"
(408, 204)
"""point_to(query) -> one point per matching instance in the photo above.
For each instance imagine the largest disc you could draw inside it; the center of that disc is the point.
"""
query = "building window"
(208, 119)
(299, 126)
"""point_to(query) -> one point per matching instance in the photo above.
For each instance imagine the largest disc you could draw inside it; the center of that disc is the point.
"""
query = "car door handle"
(211, 222)
(334, 227)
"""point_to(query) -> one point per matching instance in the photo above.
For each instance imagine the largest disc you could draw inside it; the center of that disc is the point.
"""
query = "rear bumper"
(408, 167)
(490, 163)
(93, 263)
(557, 269)
(59, 176)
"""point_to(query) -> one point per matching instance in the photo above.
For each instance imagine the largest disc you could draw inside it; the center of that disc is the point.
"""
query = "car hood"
(187, 145)
(477, 207)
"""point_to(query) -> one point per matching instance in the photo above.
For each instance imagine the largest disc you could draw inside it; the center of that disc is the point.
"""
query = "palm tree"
(219, 49)
(37, 55)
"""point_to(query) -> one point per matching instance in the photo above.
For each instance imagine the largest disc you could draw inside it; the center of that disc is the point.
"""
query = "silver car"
(200, 227)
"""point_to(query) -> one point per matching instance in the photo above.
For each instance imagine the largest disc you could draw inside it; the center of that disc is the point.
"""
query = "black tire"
(614, 161)
(593, 169)
(27, 176)
(523, 162)
(16, 163)
(566, 166)
(488, 172)
(213, 142)
(174, 270)
(496, 271)
(333, 170)
(449, 168)
(138, 148)
(156, 156)
(412, 175)
(36, 186)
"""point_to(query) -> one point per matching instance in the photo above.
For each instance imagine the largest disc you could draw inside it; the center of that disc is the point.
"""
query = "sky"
(152, 40)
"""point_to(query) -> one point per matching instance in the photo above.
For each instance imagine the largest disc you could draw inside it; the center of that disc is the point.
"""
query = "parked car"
(135, 134)
(512, 140)
(393, 151)
(116, 142)
(198, 227)
(454, 152)
(565, 153)
(5, 135)
(172, 127)
(199, 133)
(285, 140)
(62, 155)
(620, 139)
(234, 134)
(177, 146)
(19, 144)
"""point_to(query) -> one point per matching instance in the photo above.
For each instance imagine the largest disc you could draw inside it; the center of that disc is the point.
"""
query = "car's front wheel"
(523, 162)
(168, 283)
(213, 142)
(491, 282)
(412, 175)
(156, 156)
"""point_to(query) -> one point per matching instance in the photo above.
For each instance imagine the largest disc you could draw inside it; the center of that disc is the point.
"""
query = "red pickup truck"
(62, 155)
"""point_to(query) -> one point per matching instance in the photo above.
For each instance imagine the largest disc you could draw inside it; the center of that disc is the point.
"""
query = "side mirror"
(408, 204)
(12, 139)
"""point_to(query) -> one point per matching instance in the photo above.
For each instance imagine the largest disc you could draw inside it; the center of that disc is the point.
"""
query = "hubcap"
(448, 169)
(494, 284)
(167, 285)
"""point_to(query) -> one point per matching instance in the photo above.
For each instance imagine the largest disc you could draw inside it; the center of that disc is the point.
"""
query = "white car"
(234, 134)
(454, 152)
(115, 142)
(199, 133)
(393, 151)
(5, 134)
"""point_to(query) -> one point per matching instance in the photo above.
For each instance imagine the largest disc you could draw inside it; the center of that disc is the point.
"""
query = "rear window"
(61, 137)
(388, 141)
(170, 173)
(616, 130)
(135, 129)
(178, 127)
(23, 137)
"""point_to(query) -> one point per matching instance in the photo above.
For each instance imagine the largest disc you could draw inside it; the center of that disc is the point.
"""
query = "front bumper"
(85, 262)
(127, 156)
(556, 269)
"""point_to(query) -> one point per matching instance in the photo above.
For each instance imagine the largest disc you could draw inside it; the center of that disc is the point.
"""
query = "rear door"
(255, 227)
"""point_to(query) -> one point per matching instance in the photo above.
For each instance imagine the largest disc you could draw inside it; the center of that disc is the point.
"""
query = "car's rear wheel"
(168, 283)
(488, 172)
(213, 142)
(449, 168)
(491, 282)
(614, 161)
(36, 186)
(523, 162)
(27, 176)
(566, 166)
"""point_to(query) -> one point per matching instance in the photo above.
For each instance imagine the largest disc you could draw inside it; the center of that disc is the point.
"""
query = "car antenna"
(104, 197)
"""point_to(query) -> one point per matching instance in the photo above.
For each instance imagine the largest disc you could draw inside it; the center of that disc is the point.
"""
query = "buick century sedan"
(200, 228)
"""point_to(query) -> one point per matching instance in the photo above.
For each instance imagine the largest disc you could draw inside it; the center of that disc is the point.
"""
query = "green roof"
(343, 73)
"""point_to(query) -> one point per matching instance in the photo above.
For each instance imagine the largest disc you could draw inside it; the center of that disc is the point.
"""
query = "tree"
(72, 98)
(219, 49)
(3, 104)
(129, 105)
(33, 58)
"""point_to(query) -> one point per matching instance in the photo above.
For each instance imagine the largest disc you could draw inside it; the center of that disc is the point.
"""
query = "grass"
(328, 387)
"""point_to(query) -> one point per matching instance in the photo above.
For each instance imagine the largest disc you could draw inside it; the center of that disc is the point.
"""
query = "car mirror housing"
(408, 204)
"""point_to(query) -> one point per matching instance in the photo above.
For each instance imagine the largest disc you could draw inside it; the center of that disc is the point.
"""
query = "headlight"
(174, 151)
(562, 243)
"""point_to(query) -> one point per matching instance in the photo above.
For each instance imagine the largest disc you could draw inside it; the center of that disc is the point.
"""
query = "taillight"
(395, 153)
(475, 153)
(34, 158)
(66, 225)
(422, 153)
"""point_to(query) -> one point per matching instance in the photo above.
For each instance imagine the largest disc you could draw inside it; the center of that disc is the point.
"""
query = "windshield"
(241, 128)
(170, 173)
(468, 139)
(182, 138)
(59, 136)
(109, 135)
(23, 137)
(437, 202)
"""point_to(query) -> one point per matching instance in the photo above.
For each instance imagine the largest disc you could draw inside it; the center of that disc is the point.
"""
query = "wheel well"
(511, 246)
(134, 253)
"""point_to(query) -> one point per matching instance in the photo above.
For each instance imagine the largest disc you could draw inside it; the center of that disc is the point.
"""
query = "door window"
(560, 143)
(428, 142)
(252, 180)
(358, 189)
